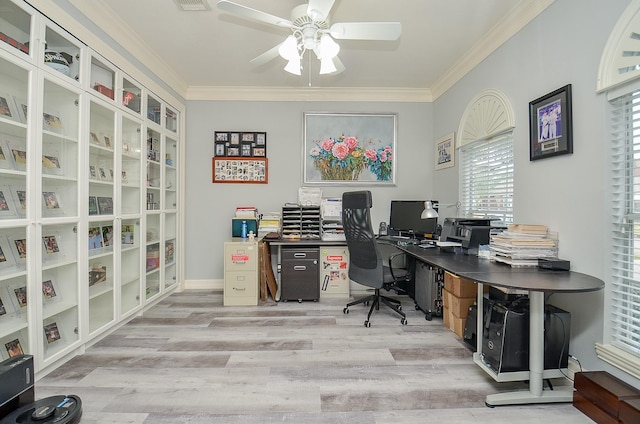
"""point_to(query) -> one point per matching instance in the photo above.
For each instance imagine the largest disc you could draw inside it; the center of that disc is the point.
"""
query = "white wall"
(561, 46)
(211, 206)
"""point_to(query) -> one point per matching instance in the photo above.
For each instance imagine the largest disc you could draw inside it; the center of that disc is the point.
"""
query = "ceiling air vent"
(192, 5)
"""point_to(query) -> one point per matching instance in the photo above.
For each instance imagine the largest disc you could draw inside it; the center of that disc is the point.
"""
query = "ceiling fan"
(311, 30)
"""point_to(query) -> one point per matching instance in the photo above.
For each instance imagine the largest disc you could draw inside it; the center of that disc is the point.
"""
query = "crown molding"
(519, 17)
(311, 94)
(112, 24)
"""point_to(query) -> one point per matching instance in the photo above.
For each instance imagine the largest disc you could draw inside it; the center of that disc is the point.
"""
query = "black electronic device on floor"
(17, 403)
(505, 339)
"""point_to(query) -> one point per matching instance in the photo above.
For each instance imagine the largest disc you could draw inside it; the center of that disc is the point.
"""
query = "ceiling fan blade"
(318, 10)
(267, 56)
(385, 31)
(339, 65)
(256, 15)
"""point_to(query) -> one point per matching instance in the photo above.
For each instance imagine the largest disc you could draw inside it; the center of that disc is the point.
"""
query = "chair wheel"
(399, 307)
(367, 324)
(345, 311)
(428, 316)
(366, 303)
(403, 321)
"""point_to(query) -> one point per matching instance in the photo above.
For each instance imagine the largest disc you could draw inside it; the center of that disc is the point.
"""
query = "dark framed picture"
(221, 136)
(550, 125)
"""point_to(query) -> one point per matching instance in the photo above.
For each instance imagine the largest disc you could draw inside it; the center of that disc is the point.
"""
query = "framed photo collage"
(240, 144)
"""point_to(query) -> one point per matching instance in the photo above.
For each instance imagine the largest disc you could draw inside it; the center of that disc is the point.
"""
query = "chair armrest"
(392, 258)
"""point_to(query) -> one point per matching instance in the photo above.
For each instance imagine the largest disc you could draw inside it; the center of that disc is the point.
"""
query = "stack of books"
(522, 245)
(269, 223)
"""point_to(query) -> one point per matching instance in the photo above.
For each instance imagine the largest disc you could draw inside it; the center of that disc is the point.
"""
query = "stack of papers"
(522, 245)
(269, 223)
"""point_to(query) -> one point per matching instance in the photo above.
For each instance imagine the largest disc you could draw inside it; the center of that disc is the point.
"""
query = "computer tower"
(505, 339)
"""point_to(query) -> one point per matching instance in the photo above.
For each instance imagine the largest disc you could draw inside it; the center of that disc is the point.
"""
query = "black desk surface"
(503, 275)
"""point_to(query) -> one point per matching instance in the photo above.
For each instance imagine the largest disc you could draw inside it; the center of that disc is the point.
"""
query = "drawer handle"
(239, 289)
(300, 255)
(299, 268)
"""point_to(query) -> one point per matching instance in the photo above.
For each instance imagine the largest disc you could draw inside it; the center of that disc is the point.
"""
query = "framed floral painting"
(349, 149)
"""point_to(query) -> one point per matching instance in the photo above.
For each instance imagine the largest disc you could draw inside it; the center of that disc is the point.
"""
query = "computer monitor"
(405, 218)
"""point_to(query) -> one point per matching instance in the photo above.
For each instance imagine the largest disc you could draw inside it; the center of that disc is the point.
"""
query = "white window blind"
(624, 311)
(486, 179)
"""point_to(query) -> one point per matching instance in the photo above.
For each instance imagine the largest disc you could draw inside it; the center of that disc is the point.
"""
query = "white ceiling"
(441, 40)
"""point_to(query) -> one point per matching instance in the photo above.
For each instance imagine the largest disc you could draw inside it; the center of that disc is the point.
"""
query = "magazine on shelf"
(3, 310)
(97, 274)
(48, 290)
(103, 174)
(93, 172)
(20, 200)
(14, 348)
(94, 138)
(21, 105)
(7, 205)
(21, 296)
(52, 121)
(8, 108)
(93, 205)
(51, 164)
(95, 238)
(51, 332)
(169, 252)
(50, 244)
(19, 155)
(105, 205)
(128, 234)
(6, 257)
(107, 235)
(51, 200)
(107, 142)
(21, 247)
(5, 158)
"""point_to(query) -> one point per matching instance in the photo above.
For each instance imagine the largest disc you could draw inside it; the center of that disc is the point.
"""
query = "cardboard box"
(453, 323)
(459, 306)
(460, 287)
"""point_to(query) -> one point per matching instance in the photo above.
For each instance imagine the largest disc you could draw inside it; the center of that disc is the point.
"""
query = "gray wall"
(210, 207)
(561, 46)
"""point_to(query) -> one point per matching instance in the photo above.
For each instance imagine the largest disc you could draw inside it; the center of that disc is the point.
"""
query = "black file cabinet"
(300, 274)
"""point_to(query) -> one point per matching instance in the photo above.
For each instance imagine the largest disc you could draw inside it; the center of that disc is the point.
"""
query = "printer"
(469, 232)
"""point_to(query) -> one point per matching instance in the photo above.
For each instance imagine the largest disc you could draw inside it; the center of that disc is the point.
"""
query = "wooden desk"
(536, 282)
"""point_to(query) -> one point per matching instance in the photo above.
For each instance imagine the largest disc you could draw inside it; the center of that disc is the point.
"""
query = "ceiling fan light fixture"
(328, 47)
(289, 48)
(293, 66)
(327, 66)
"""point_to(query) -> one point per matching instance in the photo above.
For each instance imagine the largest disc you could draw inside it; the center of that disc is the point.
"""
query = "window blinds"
(486, 178)
(624, 311)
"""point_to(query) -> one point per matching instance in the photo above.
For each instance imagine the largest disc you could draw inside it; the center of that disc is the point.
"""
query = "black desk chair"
(366, 264)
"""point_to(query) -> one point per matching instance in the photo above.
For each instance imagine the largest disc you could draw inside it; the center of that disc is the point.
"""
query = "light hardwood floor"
(191, 360)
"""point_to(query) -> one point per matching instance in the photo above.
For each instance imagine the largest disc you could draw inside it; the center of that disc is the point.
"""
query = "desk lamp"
(428, 211)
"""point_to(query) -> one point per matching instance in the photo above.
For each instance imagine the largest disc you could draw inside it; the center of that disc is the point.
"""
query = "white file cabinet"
(241, 272)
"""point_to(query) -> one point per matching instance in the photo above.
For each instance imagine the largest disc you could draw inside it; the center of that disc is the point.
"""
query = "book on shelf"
(250, 212)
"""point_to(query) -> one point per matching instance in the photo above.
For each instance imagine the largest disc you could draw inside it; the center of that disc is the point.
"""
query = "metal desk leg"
(535, 394)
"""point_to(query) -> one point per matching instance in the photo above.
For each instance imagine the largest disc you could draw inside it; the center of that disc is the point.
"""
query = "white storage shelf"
(82, 114)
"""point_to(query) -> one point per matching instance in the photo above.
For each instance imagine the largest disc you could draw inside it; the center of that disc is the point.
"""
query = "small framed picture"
(107, 142)
(220, 147)
(94, 138)
(261, 139)
(21, 296)
(3, 309)
(95, 238)
(221, 136)
(250, 137)
(246, 150)
(550, 125)
(21, 247)
(51, 164)
(52, 122)
(233, 151)
(259, 152)
(445, 151)
(234, 138)
(51, 200)
(50, 244)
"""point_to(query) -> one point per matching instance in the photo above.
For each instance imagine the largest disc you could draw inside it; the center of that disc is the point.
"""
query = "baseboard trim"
(217, 284)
